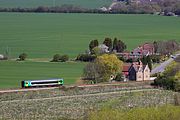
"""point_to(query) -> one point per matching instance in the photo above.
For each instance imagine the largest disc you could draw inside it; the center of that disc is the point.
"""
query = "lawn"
(42, 35)
(12, 73)
(36, 3)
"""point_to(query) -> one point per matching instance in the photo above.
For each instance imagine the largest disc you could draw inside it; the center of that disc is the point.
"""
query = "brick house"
(139, 52)
(145, 49)
(136, 72)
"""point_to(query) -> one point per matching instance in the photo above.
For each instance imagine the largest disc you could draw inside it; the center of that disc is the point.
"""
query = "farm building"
(136, 72)
(139, 52)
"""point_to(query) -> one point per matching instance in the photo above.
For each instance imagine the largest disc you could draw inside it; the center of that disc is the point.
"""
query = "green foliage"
(32, 3)
(56, 58)
(22, 57)
(155, 58)
(64, 58)
(93, 44)
(146, 60)
(95, 51)
(167, 112)
(102, 68)
(119, 45)
(119, 77)
(86, 57)
(108, 43)
(59, 58)
(170, 78)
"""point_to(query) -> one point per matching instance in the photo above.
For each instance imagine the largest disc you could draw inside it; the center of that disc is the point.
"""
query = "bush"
(119, 77)
(86, 57)
(64, 58)
(56, 58)
(22, 57)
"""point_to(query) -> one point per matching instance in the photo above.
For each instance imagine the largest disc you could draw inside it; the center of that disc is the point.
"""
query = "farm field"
(42, 35)
(78, 106)
(36, 3)
(12, 73)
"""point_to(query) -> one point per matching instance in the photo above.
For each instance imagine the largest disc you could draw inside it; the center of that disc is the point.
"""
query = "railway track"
(79, 86)
(78, 96)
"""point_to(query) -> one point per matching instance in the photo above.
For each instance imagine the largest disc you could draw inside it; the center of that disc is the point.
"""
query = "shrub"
(119, 77)
(22, 57)
(56, 58)
(86, 57)
(64, 58)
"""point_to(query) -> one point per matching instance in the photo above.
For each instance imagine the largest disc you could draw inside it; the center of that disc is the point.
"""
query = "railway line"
(122, 85)
(78, 96)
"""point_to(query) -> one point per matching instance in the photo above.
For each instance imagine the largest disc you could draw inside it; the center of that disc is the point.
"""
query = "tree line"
(122, 7)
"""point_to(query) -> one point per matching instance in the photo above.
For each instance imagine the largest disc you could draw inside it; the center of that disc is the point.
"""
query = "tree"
(119, 77)
(64, 58)
(115, 42)
(170, 78)
(86, 57)
(102, 68)
(119, 45)
(149, 62)
(146, 60)
(96, 51)
(92, 44)
(155, 46)
(22, 57)
(108, 43)
(56, 58)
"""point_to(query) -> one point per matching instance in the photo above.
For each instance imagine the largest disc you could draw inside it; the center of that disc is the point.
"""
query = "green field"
(12, 73)
(43, 35)
(36, 3)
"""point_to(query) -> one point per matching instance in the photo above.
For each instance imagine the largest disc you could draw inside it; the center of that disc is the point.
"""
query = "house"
(145, 49)
(1, 57)
(142, 50)
(103, 48)
(136, 71)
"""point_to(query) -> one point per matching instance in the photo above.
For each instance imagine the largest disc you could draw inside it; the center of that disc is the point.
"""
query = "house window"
(146, 76)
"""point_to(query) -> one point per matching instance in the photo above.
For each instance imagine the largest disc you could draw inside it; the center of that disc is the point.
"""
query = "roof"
(126, 67)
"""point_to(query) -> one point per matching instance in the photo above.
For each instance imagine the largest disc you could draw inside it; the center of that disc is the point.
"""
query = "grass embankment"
(79, 106)
(13, 72)
(167, 112)
(36, 3)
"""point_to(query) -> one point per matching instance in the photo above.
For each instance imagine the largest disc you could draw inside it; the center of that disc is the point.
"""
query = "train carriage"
(42, 83)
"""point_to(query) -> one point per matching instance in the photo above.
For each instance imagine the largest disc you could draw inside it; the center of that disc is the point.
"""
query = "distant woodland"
(164, 7)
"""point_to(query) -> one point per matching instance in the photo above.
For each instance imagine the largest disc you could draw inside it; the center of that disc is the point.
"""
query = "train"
(42, 83)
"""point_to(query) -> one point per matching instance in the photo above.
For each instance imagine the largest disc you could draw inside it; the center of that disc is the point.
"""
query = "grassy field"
(36, 3)
(12, 73)
(43, 35)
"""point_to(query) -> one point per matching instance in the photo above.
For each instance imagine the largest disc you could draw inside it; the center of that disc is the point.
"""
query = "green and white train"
(42, 83)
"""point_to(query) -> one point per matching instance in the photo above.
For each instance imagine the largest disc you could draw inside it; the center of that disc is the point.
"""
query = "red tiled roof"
(126, 67)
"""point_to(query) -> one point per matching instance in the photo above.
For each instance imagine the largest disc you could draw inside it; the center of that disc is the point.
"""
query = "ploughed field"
(36, 3)
(41, 35)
